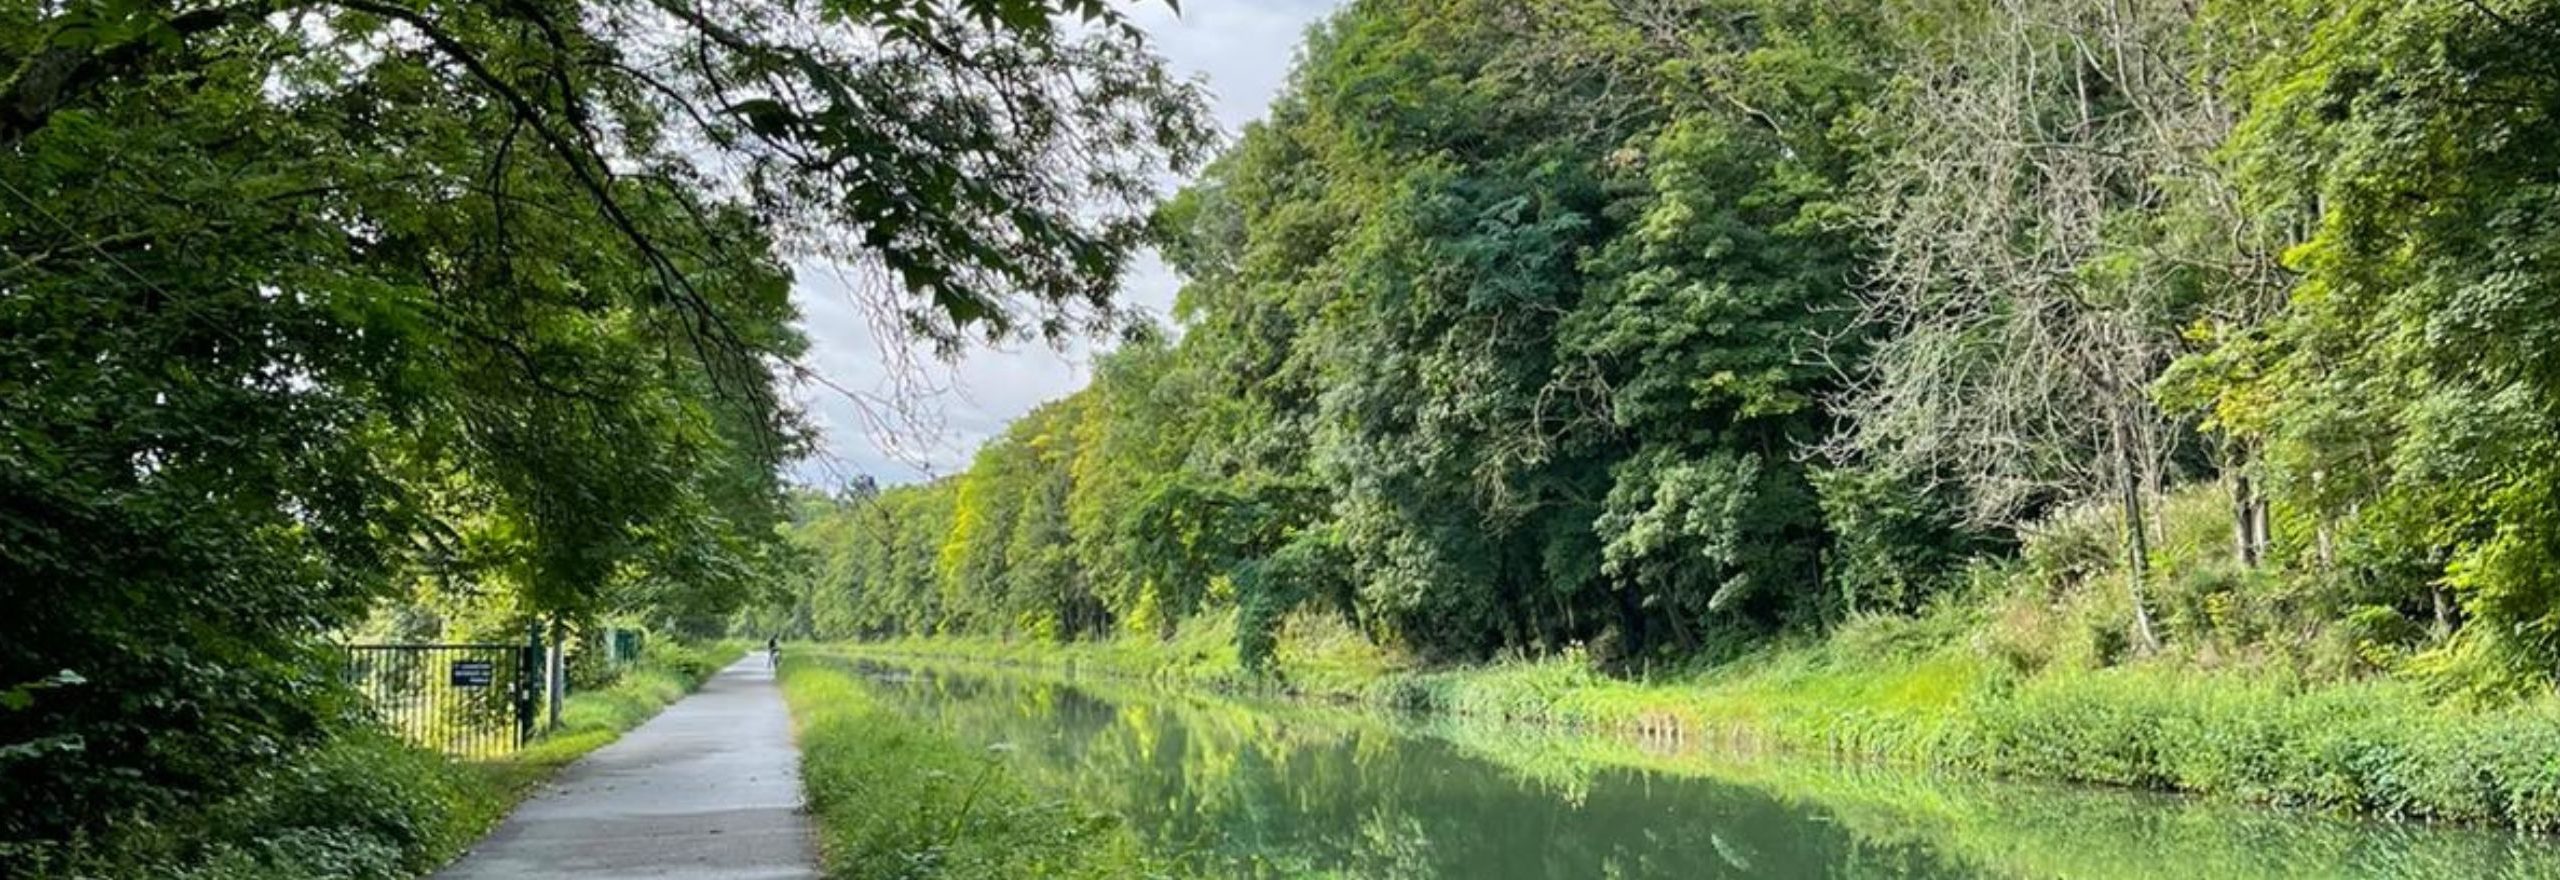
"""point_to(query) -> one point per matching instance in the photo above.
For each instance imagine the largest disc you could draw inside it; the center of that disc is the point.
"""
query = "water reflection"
(1269, 790)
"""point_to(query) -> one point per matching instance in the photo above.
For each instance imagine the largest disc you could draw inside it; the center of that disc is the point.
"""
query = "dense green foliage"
(2407, 398)
(1501, 331)
(1662, 328)
(473, 314)
(897, 798)
(362, 805)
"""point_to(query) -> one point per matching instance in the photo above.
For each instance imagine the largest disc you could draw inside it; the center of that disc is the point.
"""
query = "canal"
(1253, 788)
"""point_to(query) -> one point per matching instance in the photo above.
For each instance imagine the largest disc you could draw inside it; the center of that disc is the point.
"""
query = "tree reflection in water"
(1272, 789)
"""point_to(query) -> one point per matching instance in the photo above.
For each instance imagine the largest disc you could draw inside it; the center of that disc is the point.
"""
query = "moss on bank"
(1935, 690)
(896, 798)
(367, 806)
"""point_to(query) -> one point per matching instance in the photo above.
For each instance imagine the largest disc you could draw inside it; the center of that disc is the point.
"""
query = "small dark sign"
(473, 673)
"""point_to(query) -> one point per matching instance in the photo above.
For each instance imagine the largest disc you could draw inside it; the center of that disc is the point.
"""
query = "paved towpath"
(708, 790)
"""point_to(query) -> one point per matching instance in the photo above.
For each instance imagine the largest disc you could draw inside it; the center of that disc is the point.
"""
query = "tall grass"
(1939, 690)
(894, 798)
(2270, 690)
(1317, 655)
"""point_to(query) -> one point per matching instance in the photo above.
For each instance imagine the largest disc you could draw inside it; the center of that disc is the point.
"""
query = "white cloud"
(1244, 49)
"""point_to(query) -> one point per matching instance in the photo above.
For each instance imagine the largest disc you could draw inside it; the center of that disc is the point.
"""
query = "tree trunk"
(2155, 492)
(1631, 622)
(2244, 519)
(2259, 541)
(2138, 569)
(2256, 520)
(1679, 627)
(2137, 550)
(2444, 612)
(2248, 506)
(2321, 534)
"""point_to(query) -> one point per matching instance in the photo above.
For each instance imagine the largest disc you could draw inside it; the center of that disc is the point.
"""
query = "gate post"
(528, 658)
(555, 672)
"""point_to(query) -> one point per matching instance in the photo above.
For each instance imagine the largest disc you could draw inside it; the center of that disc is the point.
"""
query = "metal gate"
(466, 700)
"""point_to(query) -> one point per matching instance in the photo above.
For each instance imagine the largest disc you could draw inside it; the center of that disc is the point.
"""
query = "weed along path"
(708, 790)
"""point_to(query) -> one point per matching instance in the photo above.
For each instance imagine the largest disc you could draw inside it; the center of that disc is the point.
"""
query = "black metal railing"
(467, 700)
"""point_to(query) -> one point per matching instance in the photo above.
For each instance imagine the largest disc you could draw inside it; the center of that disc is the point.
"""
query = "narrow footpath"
(708, 790)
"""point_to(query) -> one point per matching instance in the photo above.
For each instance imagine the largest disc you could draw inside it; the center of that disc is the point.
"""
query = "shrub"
(2073, 547)
(362, 804)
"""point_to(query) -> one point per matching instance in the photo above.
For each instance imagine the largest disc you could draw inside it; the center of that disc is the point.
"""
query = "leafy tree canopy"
(485, 306)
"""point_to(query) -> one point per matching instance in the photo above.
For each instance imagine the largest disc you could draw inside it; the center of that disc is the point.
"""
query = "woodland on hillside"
(1666, 327)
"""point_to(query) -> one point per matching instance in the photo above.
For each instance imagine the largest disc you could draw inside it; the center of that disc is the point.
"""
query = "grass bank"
(894, 797)
(367, 806)
(2027, 830)
(1941, 690)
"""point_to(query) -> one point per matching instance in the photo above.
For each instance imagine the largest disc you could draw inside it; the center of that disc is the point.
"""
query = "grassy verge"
(896, 798)
(1316, 657)
(1927, 691)
(365, 805)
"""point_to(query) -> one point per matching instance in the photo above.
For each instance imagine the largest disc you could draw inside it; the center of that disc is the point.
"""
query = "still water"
(1282, 789)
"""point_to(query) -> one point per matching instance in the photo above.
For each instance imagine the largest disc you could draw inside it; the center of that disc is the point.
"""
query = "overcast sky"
(1243, 49)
